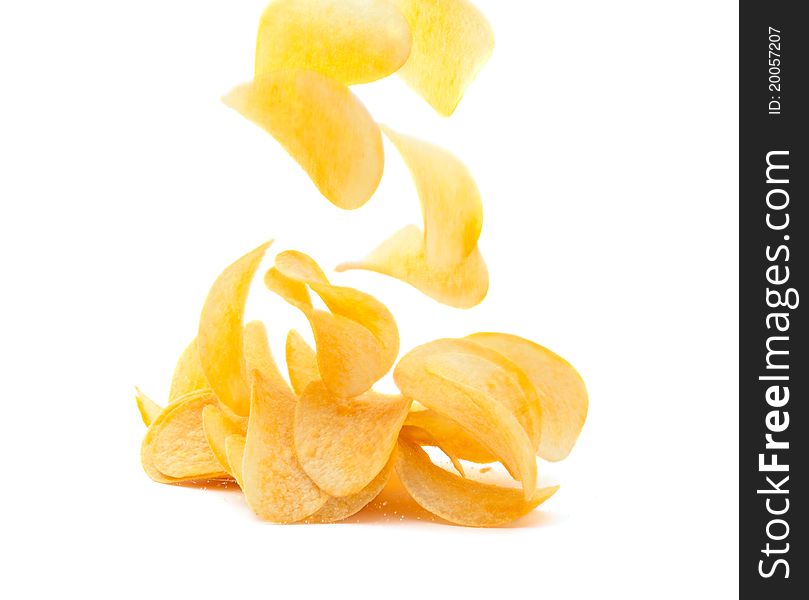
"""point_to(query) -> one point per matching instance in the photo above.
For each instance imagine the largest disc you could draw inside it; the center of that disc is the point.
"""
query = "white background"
(603, 136)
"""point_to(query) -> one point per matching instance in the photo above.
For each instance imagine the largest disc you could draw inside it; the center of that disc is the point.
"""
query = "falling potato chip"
(446, 434)
(450, 201)
(188, 374)
(301, 362)
(149, 411)
(343, 443)
(175, 449)
(337, 509)
(218, 427)
(352, 41)
(357, 342)
(221, 333)
(433, 381)
(458, 500)
(323, 126)
(402, 256)
(561, 390)
(234, 451)
(483, 368)
(275, 485)
(452, 41)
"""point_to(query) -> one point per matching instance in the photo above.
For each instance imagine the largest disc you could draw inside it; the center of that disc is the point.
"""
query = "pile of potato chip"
(320, 445)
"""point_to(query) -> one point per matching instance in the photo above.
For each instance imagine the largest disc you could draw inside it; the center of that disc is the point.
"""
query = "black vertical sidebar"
(774, 268)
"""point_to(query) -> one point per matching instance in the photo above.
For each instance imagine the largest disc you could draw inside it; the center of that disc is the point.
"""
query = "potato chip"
(301, 362)
(458, 500)
(352, 41)
(149, 411)
(434, 381)
(450, 437)
(357, 343)
(450, 201)
(452, 41)
(343, 443)
(275, 485)
(337, 509)
(218, 427)
(257, 353)
(188, 374)
(221, 333)
(323, 126)
(402, 257)
(486, 369)
(175, 449)
(234, 451)
(561, 390)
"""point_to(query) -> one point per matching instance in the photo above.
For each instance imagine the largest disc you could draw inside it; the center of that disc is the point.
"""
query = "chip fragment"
(351, 41)
(323, 126)
(452, 40)
(343, 443)
(561, 390)
(221, 334)
(458, 500)
(148, 409)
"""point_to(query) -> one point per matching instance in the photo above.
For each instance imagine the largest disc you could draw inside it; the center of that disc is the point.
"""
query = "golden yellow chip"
(458, 500)
(218, 427)
(234, 451)
(357, 342)
(301, 362)
(452, 41)
(337, 509)
(188, 374)
(560, 388)
(275, 485)
(257, 353)
(343, 443)
(434, 381)
(221, 333)
(352, 41)
(483, 368)
(402, 257)
(175, 449)
(323, 126)
(450, 201)
(149, 411)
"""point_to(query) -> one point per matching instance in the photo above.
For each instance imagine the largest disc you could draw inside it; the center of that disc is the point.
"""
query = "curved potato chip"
(450, 200)
(149, 411)
(343, 443)
(452, 40)
(301, 362)
(275, 485)
(337, 509)
(357, 342)
(352, 41)
(257, 353)
(423, 438)
(451, 438)
(483, 368)
(323, 126)
(561, 390)
(218, 427)
(221, 333)
(461, 501)
(402, 256)
(234, 451)
(433, 381)
(188, 374)
(174, 448)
